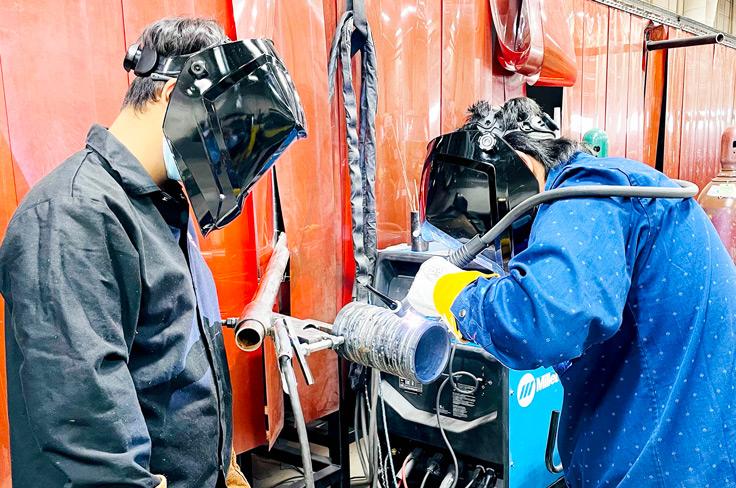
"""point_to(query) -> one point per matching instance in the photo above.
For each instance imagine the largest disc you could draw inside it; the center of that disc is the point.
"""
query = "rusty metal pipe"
(687, 42)
(255, 320)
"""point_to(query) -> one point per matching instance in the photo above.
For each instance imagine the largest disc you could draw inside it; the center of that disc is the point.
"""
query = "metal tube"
(417, 243)
(686, 42)
(322, 345)
(301, 427)
(255, 320)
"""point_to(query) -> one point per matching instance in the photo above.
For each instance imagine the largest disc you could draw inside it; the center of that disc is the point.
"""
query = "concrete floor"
(268, 473)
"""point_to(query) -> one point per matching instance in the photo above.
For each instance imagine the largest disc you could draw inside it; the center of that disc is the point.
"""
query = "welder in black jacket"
(117, 375)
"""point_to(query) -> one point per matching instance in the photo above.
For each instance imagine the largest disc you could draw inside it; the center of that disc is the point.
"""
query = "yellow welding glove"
(235, 477)
(436, 286)
(163, 481)
(446, 291)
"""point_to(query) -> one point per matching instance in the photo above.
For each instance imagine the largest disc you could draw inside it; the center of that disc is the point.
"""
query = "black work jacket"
(115, 360)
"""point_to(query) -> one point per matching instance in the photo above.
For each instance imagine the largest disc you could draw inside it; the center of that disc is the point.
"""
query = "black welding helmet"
(472, 178)
(233, 111)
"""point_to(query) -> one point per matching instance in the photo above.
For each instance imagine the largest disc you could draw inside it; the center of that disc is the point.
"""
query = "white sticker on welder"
(726, 190)
(461, 403)
(410, 386)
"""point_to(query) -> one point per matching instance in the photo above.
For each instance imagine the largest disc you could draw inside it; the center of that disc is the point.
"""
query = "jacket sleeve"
(71, 278)
(566, 291)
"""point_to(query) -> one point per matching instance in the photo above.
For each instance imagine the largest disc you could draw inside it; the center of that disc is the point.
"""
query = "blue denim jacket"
(634, 302)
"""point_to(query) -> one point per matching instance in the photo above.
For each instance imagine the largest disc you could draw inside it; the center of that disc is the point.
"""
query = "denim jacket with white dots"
(634, 302)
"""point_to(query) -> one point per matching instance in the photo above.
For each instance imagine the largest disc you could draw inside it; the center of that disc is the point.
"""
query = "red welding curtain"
(61, 72)
(614, 71)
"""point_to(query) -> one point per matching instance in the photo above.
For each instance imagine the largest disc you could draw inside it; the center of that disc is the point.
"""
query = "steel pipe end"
(720, 37)
(249, 335)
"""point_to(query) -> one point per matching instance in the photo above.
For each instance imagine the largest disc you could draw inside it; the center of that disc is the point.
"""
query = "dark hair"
(171, 36)
(549, 152)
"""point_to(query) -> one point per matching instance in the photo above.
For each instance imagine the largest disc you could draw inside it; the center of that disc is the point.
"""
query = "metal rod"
(417, 243)
(322, 345)
(255, 320)
(686, 42)
(301, 427)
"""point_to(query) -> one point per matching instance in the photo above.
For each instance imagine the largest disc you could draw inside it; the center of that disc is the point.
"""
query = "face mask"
(172, 171)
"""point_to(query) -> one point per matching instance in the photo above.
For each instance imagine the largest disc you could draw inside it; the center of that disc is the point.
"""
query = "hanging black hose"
(354, 35)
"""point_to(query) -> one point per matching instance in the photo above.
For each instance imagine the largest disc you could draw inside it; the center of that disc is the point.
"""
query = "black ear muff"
(141, 59)
(131, 57)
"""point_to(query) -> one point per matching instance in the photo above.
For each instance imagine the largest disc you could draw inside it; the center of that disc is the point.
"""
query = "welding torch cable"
(388, 441)
(367, 440)
(373, 427)
(465, 254)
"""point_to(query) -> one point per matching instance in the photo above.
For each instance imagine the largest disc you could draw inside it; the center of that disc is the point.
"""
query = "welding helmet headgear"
(472, 178)
(233, 111)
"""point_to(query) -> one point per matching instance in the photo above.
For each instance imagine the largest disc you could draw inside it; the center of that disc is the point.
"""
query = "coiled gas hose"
(465, 254)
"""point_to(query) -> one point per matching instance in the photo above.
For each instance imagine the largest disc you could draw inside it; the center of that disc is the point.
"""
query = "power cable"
(424, 480)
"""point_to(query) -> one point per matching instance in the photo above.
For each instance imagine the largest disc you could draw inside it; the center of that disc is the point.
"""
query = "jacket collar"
(134, 178)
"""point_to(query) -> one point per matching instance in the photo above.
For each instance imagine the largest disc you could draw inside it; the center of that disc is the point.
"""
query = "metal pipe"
(255, 320)
(686, 42)
(301, 427)
(417, 243)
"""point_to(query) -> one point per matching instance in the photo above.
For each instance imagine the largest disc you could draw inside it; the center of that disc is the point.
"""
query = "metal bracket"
(665, 17)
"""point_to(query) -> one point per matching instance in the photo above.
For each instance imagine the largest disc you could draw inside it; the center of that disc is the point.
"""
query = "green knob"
(597, 139)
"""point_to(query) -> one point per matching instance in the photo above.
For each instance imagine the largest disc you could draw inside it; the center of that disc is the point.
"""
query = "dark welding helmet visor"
(471, 179)
(232, 113)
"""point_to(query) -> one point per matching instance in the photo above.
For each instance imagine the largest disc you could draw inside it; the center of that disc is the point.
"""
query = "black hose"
(463, 255)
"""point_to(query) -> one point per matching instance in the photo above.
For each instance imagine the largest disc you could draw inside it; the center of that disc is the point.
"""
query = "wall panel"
(594, 79)
(617, 87)
(8, 203)
(653, 90)
(47, 52)
(635, 109)
(467, 58)
(674, 108)
(308, 179)
(572, 124)
(408, 36)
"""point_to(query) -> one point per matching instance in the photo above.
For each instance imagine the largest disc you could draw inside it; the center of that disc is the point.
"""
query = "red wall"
(620, 89)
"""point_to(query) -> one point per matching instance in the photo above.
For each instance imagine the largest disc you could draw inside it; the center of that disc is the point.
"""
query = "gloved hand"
(436, 286)
(163, 481)
(235, 477)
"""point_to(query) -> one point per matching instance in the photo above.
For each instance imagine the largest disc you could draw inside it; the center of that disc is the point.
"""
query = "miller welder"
(506, 423)
(503, 425)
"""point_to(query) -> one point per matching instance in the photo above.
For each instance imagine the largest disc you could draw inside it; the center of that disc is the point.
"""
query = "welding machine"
(504, 425)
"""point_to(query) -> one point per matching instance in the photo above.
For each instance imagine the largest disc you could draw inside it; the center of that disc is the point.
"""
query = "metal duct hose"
(411, 347)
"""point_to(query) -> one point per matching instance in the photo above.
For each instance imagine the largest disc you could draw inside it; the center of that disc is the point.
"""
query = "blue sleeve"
(567, 290)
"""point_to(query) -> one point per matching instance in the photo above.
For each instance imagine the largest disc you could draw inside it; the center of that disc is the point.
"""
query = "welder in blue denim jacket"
(117, 375)
(633, 301)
